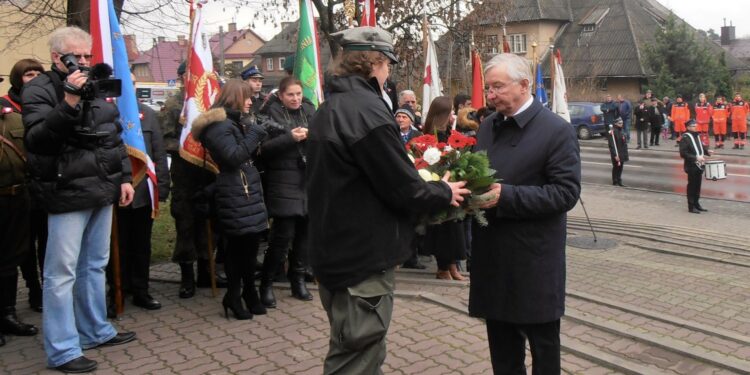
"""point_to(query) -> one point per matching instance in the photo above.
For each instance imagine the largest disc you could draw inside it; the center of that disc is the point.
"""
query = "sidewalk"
(430, 332)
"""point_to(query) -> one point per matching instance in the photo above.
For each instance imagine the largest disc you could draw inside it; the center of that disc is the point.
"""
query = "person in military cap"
(188, 180)
(254, 78)
(618, 150)
(364, 191)
(694, 156)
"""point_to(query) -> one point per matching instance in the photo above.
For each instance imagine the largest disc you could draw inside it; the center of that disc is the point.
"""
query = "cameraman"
(79, 168)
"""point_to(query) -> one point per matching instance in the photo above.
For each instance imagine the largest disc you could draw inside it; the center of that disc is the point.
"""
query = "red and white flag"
(201, 88)
(560, 93)
(432, 87)
(368, 13)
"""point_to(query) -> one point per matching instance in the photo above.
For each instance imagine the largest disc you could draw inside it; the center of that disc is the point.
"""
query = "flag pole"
(116, 274)
(552, 72)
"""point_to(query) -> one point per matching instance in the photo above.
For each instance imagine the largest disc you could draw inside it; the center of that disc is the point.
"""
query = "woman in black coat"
(284, 159)
(232, 137)
(446, 241)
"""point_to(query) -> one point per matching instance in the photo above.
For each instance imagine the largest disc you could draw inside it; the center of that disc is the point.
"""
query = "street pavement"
(431, 332)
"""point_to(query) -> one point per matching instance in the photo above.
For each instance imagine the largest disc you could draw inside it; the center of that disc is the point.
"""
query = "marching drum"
(715, 170)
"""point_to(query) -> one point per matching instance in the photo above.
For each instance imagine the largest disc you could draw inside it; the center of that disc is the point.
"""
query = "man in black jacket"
(363, 191)
(79, 169)
(518, 260)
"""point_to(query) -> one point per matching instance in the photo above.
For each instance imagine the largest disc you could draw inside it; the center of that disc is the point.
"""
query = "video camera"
(99, 85)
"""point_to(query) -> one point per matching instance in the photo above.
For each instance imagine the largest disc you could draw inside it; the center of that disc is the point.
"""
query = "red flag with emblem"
(201, 88)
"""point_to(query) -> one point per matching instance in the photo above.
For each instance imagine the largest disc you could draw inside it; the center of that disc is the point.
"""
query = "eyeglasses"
(78, 57)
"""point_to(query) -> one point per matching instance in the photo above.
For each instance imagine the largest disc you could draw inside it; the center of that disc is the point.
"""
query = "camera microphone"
(101, 71)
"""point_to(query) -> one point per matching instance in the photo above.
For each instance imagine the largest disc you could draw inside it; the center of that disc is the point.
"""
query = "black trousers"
(508, 347)
(134, 232)
(655, 132)
(287, 231)
(694, 187)
(617, 173)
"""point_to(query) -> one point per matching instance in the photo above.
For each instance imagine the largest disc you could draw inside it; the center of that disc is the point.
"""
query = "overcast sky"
(701, 14)
(710, 14)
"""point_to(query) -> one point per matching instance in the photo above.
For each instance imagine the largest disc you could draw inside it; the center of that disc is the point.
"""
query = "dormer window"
(593, 18)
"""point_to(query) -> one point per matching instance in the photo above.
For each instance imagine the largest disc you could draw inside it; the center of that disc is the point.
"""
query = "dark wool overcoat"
(518, 261)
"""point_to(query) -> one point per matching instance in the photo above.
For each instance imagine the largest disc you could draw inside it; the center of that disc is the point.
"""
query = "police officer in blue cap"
(254, 78)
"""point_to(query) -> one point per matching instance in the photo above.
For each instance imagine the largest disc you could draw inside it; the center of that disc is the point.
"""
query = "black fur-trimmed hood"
(207, 118)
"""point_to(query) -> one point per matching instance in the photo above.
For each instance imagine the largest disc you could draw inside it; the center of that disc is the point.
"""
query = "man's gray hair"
(60, 38)
(519, 68)
(404, 93)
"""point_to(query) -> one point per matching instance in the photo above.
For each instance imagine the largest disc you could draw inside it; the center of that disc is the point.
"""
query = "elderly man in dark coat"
(518, 273)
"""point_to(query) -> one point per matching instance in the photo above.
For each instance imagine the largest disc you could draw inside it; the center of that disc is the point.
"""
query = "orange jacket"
(680, 112)
(739, 110)
(703, 112)
(720, 113)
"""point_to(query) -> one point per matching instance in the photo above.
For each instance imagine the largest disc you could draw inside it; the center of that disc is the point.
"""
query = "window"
(490, 44)
(281, 62)
(517, 43)
(589, 28)
(269, 64)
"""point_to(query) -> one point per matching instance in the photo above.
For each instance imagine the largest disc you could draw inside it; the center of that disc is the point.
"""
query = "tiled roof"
(163, 59)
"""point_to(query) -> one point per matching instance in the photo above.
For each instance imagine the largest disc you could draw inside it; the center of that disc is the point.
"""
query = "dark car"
(587, 119)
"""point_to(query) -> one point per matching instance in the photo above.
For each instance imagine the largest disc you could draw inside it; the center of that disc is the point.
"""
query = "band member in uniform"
(719, 115)
(739, 110)
(679, 115)
(691, 150)
(703, 111)
(618, 149)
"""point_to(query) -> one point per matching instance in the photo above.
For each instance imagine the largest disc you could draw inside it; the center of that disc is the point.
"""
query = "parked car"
(587, 119)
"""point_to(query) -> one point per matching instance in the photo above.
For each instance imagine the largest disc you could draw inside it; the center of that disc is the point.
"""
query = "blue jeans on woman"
(75, 308)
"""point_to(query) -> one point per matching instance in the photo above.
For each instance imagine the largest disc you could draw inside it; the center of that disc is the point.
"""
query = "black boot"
(267, 298)
(232, 299)
(2, 340)
(9, 323)
(299, 289)
(249, 293)
(204, 276)
(187, 282)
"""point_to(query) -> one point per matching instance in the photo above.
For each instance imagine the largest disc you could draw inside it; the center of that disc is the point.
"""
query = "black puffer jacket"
(237, 193)
(71, 170)
(284, 159)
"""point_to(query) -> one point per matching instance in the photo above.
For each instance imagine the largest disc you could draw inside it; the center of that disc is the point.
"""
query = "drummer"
(692, 151)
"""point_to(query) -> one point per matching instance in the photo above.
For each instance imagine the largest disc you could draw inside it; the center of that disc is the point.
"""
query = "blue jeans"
(75, 307)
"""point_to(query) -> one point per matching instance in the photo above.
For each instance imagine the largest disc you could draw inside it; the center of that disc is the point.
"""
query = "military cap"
(618, 120)
(181, 69)
(367, 38)
(690, 122)
(251, 72)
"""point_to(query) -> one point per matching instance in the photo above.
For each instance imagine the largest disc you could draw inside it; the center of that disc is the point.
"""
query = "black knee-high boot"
(233, 297)
(247, 264)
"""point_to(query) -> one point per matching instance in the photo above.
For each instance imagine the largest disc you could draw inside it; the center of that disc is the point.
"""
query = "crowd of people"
(689, 127)
(331, 190)
(653, 116)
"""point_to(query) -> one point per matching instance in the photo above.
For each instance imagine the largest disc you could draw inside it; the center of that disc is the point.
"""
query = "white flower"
(431, 155)
(447, 148)
(425, 174)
